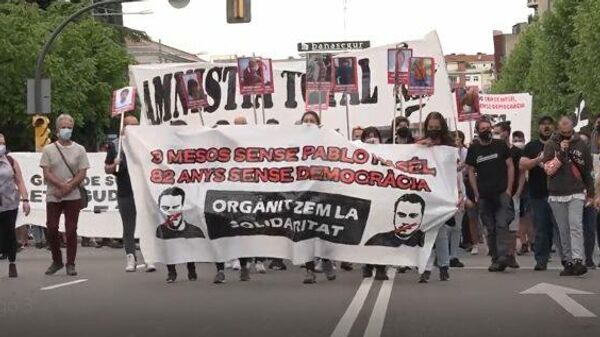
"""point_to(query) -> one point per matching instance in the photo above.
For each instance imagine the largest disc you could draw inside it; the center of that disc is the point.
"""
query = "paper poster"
(318, 71)
(467, 104)
(251, 77)
(192, 88)
(267, 71)
(123, 100)
(398, 64)
(421, 76)
(345, 70)
(314, 100)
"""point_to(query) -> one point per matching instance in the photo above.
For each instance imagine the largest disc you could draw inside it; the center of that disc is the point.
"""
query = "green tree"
(86, 62)
(585, 71)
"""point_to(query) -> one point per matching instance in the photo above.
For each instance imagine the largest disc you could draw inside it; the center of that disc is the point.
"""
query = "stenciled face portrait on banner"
(171, 204)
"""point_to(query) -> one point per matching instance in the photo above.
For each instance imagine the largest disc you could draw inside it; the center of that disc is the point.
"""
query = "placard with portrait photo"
(312, 100)
(398, 64)
(250, 74)
(267, 72)
(345, 75)
(421, 76)
(123, 100)
(319, 71)
(467, 103)
(191, 87)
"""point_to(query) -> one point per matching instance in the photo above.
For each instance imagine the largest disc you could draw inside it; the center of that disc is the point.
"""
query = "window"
(475, 78)
(452, 79)
(468, 78)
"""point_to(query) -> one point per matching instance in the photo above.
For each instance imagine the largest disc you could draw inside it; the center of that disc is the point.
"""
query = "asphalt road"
(109, 302)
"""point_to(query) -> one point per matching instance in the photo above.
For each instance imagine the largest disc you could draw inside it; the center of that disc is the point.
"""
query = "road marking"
(60, 285)
(381, 304)
(347, 321)
(561, 296)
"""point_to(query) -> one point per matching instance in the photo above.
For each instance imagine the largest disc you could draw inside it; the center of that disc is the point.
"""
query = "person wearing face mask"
(311, 118)
(502, 132)
(125, 196)
(491, 175)
(436, 133)
(372, 136)
(403, 133)
(525, 233)
(12, 193)
(546, 231)
(64, 164)
(568, 164)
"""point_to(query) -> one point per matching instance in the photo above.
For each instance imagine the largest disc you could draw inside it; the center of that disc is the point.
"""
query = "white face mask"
(495, 136)
(372, 140)
(519, 145)
(2, 150)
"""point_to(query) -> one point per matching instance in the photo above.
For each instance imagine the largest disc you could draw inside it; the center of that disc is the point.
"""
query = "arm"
(76, 181)
(473, 182)
(527, 164)
(22, 188)
(521, 183)
(511, 175)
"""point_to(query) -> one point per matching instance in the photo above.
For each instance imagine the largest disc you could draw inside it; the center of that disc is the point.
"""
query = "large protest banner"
(100, 219)
(372, 105)
(293, 192)
(515, 108)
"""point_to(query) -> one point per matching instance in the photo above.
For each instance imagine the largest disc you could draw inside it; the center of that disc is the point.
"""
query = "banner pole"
(200, 114)
(262, 107)
(120, 139)
(470, 129)
(421, 116)
(254, 108)
(347, 115)
(320, 101)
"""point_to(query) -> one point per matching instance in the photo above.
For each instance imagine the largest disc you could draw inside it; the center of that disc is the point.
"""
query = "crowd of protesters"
(514, 198)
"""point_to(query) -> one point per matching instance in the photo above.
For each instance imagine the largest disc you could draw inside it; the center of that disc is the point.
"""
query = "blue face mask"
(2, 150)
(65, 133)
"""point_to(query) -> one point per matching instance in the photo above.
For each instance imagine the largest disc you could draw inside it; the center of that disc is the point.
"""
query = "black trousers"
(8, 235)
(243, 262)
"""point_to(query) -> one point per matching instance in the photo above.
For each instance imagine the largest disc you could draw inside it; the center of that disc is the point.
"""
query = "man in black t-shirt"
(125, 197)
(502, 132)
(538, 193)
(491, 175)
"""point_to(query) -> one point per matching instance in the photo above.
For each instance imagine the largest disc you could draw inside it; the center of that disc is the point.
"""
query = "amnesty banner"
(296, 192)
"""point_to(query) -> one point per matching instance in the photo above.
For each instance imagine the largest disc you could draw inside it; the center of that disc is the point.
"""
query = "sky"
(464, 26)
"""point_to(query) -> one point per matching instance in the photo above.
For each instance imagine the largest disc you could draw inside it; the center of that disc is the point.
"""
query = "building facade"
(471, 71)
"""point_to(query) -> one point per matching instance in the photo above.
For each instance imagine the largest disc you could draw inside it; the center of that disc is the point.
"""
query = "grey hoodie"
(575, 174)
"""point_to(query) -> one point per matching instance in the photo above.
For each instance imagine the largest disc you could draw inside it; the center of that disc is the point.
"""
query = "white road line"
(345, 324)
(60, 285)
(381, 304)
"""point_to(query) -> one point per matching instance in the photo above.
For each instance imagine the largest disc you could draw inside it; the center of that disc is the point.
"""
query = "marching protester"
(502, 131)
(403, 133)
(371, 135)
(125, 196)
(64, 164)
(436, 133)
(568, 164)
(455, 233)
(491, 175)
(312, 118)
(526, 232)
(545, 225)
(12, 193)
(590, 215)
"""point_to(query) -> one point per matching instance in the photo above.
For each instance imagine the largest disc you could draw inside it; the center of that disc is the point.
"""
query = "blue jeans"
(544, 229)
(589, 232)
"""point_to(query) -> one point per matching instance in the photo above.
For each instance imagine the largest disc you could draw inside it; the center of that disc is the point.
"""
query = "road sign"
(46, 101)
(561, 296)
(307, 47)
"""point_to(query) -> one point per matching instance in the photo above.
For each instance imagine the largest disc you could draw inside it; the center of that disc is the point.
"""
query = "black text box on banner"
(296, 215)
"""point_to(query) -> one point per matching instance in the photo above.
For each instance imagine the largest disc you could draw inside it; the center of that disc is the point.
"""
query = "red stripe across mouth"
(405, 227)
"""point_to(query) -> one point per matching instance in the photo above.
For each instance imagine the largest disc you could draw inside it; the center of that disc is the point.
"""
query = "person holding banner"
(436, 133)
(403, 133)
(125, 196)
(65, 164)
(12, 192)
(312, 118)
(491, 175)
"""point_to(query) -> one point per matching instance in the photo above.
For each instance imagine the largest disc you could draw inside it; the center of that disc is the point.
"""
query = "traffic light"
(41, 127)
(238, 11)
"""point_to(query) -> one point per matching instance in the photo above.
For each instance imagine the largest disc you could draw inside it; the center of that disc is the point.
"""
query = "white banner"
(373, 105)
(515, 108)
(293, 192)
(100, 219)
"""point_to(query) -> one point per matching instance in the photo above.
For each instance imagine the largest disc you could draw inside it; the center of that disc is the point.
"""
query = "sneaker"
(310, 278)
(444, 274)
(244, 274)
(71, 270)
(367, 271)
(381, 275)
(455, 263)
(150, 268)
(512, 263)
(277, 264)
(347, 266)
(172, 277)
(328, 270)
(131, 266)
(590, 264)
(496, 267)
(54, 267)
(425, 277)
(12, 270)
(219, 278)
(568, 271)
(540, 266)
(260, 267)
(192, 276)
(236, 265)
(475, 250)
(579, 269)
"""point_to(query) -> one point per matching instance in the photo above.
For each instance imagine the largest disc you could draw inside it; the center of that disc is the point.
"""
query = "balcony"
(532, 3)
